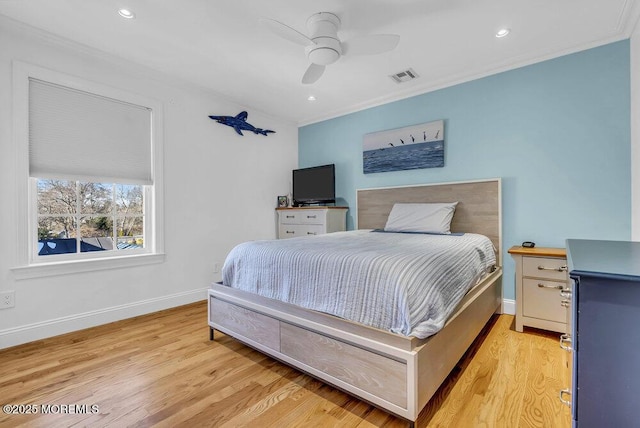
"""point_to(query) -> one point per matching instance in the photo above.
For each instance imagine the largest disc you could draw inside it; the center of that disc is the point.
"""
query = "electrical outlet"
(216, 267)
(7, 299)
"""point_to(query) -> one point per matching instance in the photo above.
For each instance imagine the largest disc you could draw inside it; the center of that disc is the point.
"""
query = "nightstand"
(541, 277)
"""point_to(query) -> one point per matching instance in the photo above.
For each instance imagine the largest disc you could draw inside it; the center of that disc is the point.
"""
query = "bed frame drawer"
(371, 372)
(261, 328)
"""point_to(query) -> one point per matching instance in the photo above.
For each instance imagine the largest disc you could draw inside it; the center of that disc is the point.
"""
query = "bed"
(396, 372)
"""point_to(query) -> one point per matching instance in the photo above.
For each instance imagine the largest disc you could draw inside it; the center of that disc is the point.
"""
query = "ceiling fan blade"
(371, 45)
(286, 32)
(312, 74)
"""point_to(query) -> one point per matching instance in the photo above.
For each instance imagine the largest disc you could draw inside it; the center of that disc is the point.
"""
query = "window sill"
(76, 266)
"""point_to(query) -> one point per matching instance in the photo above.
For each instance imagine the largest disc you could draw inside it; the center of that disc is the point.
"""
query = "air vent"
(404, 76)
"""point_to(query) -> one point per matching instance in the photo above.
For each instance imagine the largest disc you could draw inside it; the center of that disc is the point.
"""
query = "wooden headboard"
(479, 208)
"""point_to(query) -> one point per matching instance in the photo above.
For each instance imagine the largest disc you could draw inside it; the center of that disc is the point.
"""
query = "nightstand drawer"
(541, 299)
(543, 267)
(295, 230)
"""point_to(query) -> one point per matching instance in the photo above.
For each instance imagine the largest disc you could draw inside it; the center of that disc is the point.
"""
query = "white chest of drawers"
(294, 222)
(541, 274)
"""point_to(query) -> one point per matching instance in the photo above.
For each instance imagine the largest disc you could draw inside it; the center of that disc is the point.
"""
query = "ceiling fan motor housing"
(323, 27)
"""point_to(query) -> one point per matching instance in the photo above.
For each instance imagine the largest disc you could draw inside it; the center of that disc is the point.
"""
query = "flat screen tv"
(315, 185)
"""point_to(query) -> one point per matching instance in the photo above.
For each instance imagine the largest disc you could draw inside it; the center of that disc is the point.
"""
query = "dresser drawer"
(295, 230)
(542, 267)
(302, 217)
(541, 299)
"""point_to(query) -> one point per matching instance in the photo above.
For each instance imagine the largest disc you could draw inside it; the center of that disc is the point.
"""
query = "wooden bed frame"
(396, 373)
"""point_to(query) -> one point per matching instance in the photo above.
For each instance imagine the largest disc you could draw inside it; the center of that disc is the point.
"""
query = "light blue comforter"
(404, 283)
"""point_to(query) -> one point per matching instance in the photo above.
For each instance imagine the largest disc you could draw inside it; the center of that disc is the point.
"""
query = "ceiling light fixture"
(503, 32)
(311, 98)
(126, 13)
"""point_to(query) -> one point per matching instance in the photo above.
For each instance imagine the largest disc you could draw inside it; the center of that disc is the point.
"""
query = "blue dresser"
(605, 333)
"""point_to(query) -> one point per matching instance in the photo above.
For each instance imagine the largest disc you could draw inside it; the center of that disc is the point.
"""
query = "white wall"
(220, 189)
(635, 134)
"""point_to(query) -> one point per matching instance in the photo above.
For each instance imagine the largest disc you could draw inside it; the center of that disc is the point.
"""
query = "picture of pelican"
(381, 151)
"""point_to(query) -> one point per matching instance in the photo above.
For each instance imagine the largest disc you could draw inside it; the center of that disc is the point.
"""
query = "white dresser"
(541, 283)
(303, 221)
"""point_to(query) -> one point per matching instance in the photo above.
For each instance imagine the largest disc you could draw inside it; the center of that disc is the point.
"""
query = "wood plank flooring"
(162, 370)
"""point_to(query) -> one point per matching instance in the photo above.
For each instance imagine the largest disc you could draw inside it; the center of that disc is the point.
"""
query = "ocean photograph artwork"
(412, 147)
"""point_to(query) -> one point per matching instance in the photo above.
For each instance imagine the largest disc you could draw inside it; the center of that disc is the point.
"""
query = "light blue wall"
(556, 132)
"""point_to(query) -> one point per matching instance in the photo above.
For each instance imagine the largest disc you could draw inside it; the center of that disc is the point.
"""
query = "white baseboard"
(40, 330)
(508, 306)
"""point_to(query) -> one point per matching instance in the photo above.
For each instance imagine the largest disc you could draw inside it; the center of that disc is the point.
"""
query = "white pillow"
(425, 218)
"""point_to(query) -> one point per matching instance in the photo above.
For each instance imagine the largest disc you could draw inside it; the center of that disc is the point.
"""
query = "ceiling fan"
(323, 47)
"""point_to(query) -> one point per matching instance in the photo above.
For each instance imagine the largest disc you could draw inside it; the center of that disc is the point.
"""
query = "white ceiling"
(220, 45)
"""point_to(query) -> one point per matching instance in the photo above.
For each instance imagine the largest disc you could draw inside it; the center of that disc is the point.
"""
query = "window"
(89, 174)
(81, 217)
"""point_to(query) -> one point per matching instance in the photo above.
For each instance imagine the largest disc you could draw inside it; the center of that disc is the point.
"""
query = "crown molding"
(629, 17)
(468, 76)
(625, 27)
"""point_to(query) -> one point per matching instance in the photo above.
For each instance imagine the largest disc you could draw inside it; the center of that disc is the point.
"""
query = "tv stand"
(310, 220)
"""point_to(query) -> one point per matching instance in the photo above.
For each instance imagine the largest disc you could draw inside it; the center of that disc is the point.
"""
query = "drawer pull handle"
(565, 342)
(312, 216)
(554, 287)
(291, 231)
(565, 293)
(311, 233)
(560, 269)
(291, 216)
(565, 402)
(565, 303)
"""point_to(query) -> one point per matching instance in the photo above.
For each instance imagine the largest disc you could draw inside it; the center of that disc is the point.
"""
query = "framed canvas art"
(411, 147)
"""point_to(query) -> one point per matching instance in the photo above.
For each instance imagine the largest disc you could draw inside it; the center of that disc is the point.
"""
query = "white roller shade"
(82, 136)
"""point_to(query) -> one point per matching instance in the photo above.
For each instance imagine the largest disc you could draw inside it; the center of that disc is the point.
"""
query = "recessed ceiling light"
(503, 32)
(311, 98)
(126, 13)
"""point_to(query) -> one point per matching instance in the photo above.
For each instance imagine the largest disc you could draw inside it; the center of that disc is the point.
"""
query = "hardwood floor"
(162, 370)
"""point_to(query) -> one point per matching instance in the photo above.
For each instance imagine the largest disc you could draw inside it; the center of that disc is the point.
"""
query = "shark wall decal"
(239, 123)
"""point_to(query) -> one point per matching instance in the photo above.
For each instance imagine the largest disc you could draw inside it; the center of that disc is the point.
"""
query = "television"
(315, 185)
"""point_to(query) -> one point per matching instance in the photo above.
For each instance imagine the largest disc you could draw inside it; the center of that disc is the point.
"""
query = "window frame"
(28, 264)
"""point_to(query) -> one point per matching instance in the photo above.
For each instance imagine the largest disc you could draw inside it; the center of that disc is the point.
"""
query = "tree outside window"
(75, 216)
